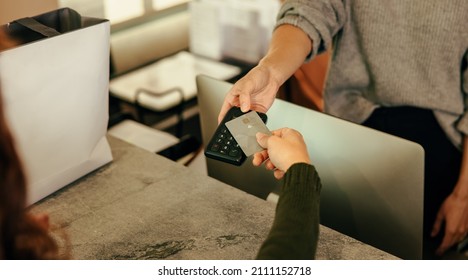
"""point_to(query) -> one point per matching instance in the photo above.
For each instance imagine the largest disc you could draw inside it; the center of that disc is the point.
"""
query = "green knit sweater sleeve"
(295, 230)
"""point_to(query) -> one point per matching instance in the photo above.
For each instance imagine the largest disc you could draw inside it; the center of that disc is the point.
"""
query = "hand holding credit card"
(223, 145)
(244, 130)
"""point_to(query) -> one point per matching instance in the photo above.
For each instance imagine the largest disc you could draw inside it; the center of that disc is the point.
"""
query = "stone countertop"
(144, 206)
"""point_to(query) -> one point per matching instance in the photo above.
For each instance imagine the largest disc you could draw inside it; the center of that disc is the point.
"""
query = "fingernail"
(244, 107)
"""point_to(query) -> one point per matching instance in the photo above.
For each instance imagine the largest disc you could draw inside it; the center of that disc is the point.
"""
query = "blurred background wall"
(14, 9)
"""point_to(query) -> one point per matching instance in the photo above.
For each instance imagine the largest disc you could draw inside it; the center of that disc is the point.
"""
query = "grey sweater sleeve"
(320, 19)
(295, 230)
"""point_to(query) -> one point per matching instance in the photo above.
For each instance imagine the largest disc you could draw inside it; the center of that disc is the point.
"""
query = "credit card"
(244, 129)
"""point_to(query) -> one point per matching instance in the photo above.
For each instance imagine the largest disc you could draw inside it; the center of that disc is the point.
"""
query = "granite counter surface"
(144, 206)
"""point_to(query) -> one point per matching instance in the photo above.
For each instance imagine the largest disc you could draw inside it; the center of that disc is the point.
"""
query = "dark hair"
(21, 235)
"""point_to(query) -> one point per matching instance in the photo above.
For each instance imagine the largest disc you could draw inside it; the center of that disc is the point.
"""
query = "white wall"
(153, 40)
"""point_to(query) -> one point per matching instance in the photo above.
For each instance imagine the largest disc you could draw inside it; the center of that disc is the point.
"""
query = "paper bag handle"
(38, 27)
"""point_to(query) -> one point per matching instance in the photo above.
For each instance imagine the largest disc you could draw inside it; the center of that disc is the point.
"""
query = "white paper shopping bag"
(55, 90)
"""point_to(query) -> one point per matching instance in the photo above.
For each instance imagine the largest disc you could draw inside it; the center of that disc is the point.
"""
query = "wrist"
(297, 161)
(461, 190)
(275, 74)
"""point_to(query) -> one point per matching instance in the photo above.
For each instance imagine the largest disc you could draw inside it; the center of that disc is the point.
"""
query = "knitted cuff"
(298, 176)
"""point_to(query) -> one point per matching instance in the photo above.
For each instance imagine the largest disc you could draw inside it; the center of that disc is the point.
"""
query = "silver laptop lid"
(372, 181)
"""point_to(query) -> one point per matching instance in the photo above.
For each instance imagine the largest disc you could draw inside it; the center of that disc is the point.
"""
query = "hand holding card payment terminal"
(234, 139)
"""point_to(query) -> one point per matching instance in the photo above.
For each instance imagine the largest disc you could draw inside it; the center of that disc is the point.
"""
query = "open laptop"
(372, 181)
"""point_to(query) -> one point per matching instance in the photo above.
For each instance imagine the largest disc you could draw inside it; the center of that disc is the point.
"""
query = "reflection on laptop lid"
(372, 181)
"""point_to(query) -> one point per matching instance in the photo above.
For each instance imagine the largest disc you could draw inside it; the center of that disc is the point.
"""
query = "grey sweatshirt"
(390, 53)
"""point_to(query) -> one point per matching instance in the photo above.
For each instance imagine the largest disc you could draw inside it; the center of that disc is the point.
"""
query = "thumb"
(262, 139)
